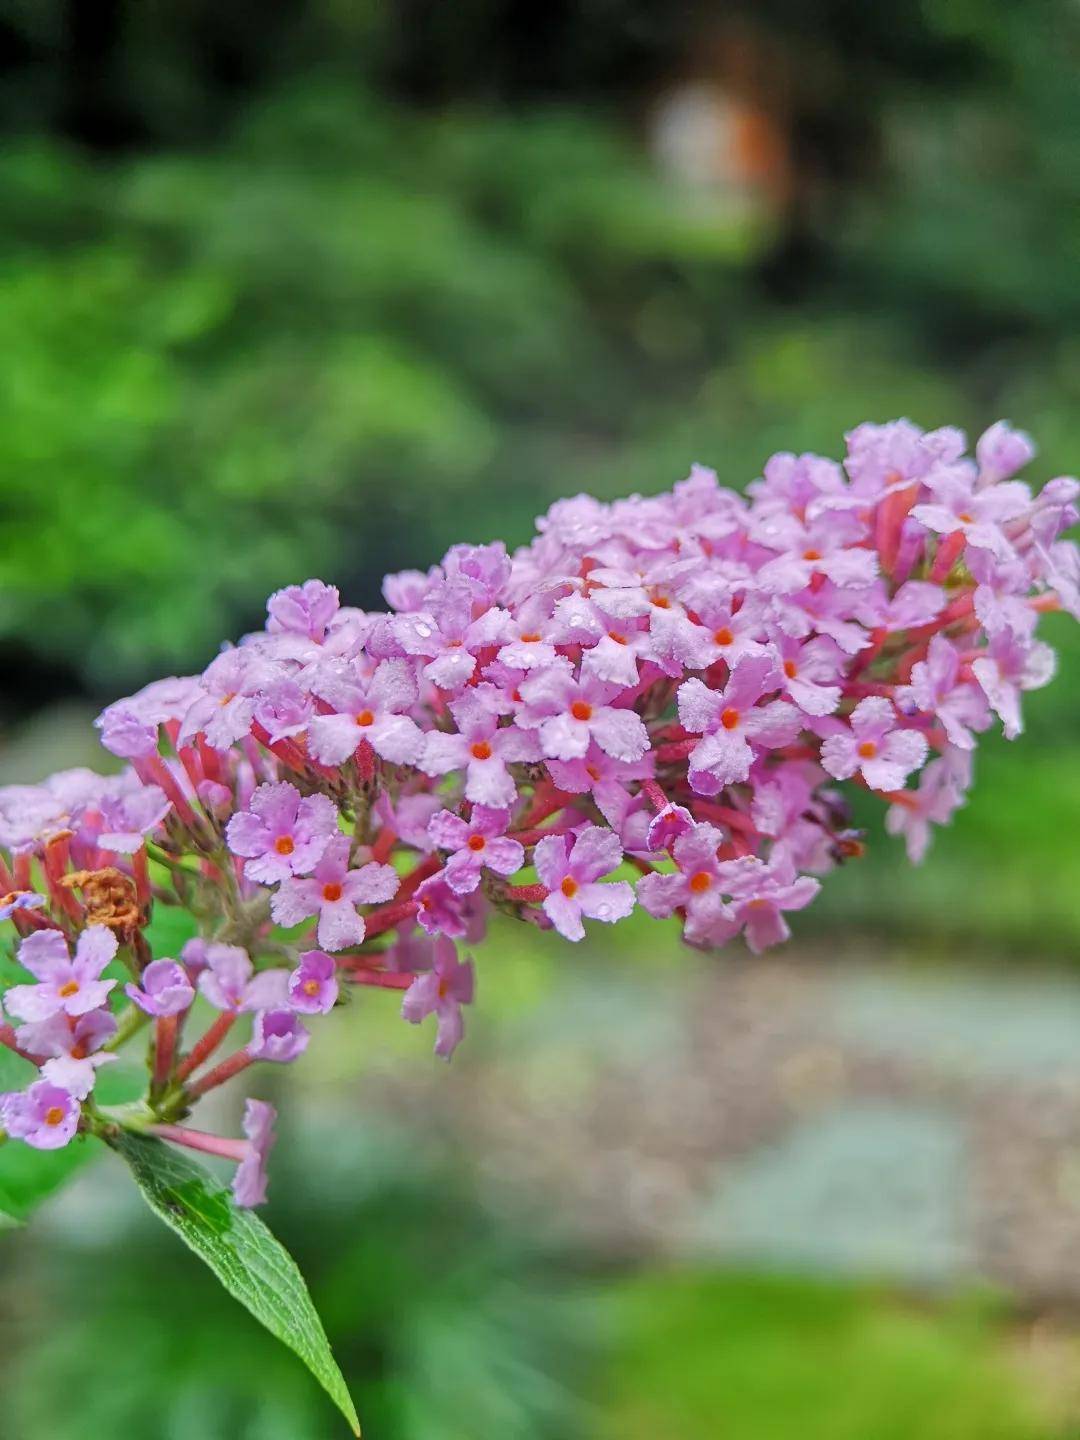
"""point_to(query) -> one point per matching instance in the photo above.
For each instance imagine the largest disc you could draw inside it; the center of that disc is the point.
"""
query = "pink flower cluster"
(652, 704)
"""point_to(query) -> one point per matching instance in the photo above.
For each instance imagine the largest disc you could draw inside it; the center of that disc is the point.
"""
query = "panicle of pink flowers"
(655, 704)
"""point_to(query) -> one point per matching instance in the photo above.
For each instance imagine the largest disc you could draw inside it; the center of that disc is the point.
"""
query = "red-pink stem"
(200, 1140)
(386, 919)
(679, 751)
(948, 552)
(416, 877)
(1047, 603)
(55, 860)
(140, 869)
(655, 795)
(152, 770)
(529, 894)
(733, 819)
(236, 1062)
(205, 1046)
(381, 979)
(164, 1049)
(9, 1037)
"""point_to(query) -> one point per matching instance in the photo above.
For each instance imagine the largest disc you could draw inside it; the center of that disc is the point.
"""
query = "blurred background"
(321, 287)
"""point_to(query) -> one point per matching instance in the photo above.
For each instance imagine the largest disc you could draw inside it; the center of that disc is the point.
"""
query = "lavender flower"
(46, 1116)
(571, 873)
(478, 843)
(282, 834)
(332, 893)
(73, 986)
(442, 991)
(229, 983)
(875, 747)
(313, 986)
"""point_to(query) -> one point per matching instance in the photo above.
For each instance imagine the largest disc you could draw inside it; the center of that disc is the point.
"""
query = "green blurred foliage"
(448, 1323)
(352, 330)
(703, 1357)
(332, 347)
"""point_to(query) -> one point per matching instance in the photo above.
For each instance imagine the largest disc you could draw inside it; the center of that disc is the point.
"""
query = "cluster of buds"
(651, 704)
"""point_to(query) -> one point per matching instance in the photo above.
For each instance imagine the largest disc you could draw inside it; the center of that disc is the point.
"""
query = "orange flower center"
(811, 554)
(966, 518)
(476, 842)
(54, 1115)
(592, 772)
(78, 1052)
(729, 718)
(284, 845)
(868, 749)
(569, 887)
(723, 636)
(789, 669)
(310, 987)
(481, 750)
(531, 638)
(661, 602)
(365, 718)
(614, 635)
(332, 891)
(700, 882)
(580, 710)
(70, 988)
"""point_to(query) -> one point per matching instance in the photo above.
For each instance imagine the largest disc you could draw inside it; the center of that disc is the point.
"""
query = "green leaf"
(240, 1250)
(28, 1176)
(169, 929)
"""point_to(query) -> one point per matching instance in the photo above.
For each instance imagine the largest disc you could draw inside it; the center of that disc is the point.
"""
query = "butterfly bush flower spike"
(663, 700)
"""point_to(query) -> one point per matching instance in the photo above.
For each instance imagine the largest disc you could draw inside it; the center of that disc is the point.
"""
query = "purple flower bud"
(278, 1035)
(166, 989)
(249, 1182)
(19, 900)
(667, 825)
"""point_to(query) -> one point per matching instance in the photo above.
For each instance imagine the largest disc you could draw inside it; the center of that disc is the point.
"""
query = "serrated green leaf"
(251, 1264)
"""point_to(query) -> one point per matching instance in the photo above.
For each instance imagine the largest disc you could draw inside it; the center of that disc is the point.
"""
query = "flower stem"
(528, 894)
(236, 1062)
(165, 1032)
(206, 1045)
(384, 979)
(381, 920)
(200, 1140)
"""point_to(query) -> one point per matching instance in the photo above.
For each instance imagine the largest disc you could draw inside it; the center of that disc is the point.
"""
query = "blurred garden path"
(851, 1113)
